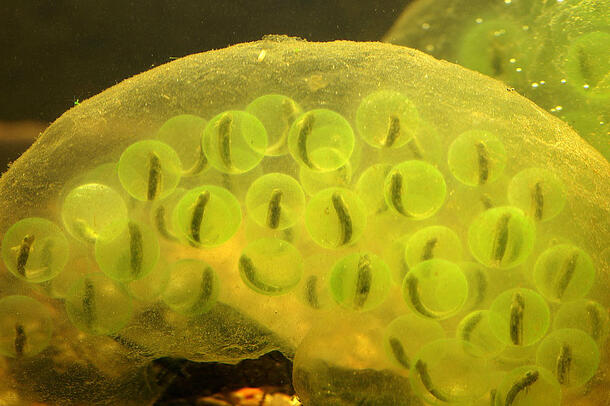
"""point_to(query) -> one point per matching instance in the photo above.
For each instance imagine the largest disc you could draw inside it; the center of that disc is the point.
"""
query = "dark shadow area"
(56, 53)
(195, 380)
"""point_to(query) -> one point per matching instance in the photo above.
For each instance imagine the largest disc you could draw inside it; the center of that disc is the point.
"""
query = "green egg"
(387, 119)
(528, 385)
(335, 217)
(98, 305)
(130, 255)
(501, 237)
(477, 158)
(538, 192)
(277, 113)
(519, 317)
(433, 242)
(275, 201)
(271, 266)
(586, 315)
(93, 208)
(572, 355)
(183, 133)
(207, 216)
(234, 142)
(192, 288)
(370, 187)
(25, 326)
(360, 281)
(35, 249)
(446, 372)
(563, 273)
(476, 330)
(406, 335)
(321, 139)
(435, 288)
(415, 189)
(586, 65)
(149, 170)
(489, 46)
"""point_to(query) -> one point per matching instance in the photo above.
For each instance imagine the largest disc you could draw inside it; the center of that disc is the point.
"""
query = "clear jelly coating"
(149, 170)
(234, 142)
(538, 193)
(528, 385)
(26, 326)
(360, 281)
(183, 133)
(98, 305)
(519, 317)
(406, 335)
(207, 216)
(433, 242)
(275, 201)
(335, 217)
(271, 266)
(130, 255)
(435, 288)
(404, 230)
(35, 249)
(501, 237)
(476, 158)
(387, 119)
(554, 52)
(415, 189)
(277, 113)
(321, 139)
(571, 354)
(564, 273)
(446, 371)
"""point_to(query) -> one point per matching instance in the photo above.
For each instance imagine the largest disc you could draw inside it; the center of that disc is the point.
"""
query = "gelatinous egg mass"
(404, 230)
(501, 237)
(387, 119)
(556, 53)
